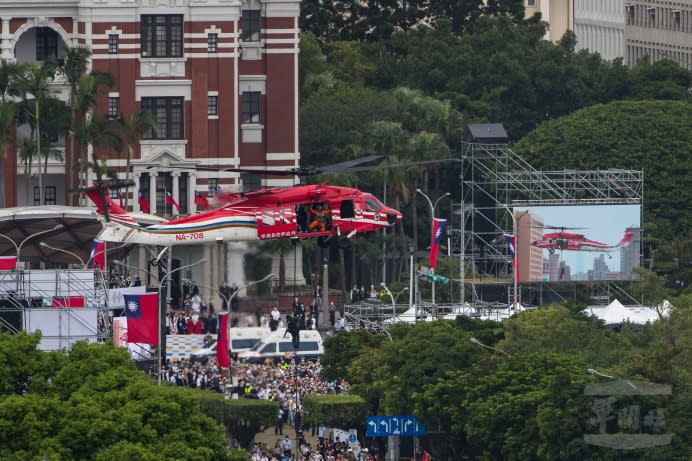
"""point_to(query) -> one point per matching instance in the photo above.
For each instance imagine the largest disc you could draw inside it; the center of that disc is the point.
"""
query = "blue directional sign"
(384, 426)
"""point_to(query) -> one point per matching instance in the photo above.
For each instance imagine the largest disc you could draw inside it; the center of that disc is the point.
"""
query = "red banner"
(67, 301)
(222, 356)
(7, 263)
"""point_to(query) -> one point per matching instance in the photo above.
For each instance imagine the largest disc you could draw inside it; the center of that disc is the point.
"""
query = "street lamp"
(478, 343)
(160, 325)
(229, 298)
(18, 248)
(44, 244)
(432, 220)
(393, 298)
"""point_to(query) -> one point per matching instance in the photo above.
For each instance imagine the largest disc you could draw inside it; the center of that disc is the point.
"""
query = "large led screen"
(578, 243)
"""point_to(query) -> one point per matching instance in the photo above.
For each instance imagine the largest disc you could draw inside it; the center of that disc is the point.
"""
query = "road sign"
(437, 278)
(384, 426)
(352, 438)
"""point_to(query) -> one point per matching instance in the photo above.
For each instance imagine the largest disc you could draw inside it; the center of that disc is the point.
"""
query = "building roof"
(80, 225)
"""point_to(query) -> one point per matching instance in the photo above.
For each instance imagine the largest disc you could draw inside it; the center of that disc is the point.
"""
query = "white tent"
(615, 314)
(409, 316)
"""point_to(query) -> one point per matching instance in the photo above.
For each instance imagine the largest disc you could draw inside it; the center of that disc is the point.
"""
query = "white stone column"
(135, 192)
(152, 192)
(191, 188)
(176, 190)
(206, 273)
(75, 32)
(293, 261)
(6, 40)
(235, 264)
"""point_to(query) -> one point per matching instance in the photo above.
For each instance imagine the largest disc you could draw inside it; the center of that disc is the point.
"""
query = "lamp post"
(432, 220)
(166, 277)
(18, 248)
(478, 343)
(233, 295)
(411, 250)
(393, 298)
(44, 244)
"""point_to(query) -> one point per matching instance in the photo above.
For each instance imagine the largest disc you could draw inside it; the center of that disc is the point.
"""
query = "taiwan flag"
(201, 201)
(142, 318)
(171, 201)
(438, 231)
(143, 203)
(7, 263)
(511, 241)
(97, 258)
(222, 356)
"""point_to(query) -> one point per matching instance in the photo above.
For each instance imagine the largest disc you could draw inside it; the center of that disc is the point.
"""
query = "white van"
(278, 345)
(239, 339)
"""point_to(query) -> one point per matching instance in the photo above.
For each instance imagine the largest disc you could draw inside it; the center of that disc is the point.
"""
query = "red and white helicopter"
(562, 240)
(301, 211)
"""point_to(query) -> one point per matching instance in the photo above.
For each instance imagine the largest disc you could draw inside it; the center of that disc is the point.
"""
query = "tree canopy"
(92, 403)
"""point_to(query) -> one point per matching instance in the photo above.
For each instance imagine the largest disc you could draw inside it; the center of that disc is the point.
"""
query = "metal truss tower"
(494, 180)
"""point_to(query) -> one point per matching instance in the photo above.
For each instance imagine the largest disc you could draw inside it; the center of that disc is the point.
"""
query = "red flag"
(143, 203)
(438, 231)
(222, 356)
(142, 318)
(67, 301)
(97, 257)
(171, 201)
(201, 201)
(7, 263)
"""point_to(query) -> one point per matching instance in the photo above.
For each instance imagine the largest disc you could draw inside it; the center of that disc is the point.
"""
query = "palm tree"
(85, 89)
(424, 146)
(74, 68)
(34, 87)
(131, 129)
(8, 112)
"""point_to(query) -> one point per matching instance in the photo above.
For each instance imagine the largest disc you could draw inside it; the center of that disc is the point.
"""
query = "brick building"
(220, 75)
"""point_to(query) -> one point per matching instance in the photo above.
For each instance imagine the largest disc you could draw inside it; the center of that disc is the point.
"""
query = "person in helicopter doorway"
(321, 215)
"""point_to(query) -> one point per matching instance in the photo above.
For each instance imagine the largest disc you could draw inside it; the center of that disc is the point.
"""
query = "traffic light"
(437, 279)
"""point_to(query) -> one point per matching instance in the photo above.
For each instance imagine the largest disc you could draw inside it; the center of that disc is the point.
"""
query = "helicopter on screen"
(561, 241)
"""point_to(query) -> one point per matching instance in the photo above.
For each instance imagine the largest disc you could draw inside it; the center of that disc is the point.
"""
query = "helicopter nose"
(393, 217)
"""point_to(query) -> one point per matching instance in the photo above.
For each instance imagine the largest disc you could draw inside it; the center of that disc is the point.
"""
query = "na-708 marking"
(190, 236)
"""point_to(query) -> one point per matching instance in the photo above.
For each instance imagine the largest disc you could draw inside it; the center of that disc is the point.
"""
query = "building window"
(212, 43)
(251, 107)
(251, 25)
(113, 43)
(531, 3)
(213, 186)
(162, 36)
(113, 107)
(51, 195)
(46, 43)
(169, 117)
(212, 105)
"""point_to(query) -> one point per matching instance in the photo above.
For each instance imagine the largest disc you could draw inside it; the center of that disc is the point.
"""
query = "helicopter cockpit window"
(372, 205)
(346, 209)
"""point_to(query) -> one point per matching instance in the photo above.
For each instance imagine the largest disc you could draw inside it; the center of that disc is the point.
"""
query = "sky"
(603, 223)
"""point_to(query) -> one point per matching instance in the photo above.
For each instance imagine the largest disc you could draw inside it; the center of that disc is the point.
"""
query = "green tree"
(34, 86)
(131, 129)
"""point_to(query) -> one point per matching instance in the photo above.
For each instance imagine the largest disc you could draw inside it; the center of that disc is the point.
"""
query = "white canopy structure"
(615, 314)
